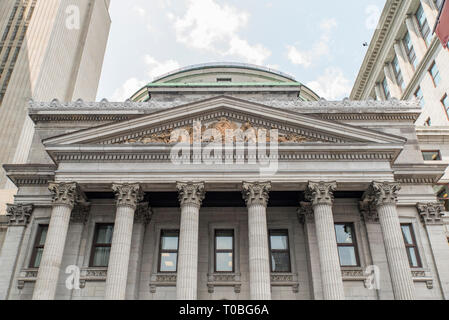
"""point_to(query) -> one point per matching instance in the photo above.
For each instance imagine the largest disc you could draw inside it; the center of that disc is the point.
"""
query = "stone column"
(432, 218)
(127, 197)
(383, 197)
(65, 196)
(191, 196)
(395, 90)
(141, 220)
(321, 196)
(380, 95)
(256, 196)
(19, 217)
(415, 37)
(404, 63)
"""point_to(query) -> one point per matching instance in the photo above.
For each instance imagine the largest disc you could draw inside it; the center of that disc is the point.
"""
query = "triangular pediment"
(225, 113)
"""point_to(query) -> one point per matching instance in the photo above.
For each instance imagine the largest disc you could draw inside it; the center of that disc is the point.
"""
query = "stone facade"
(357, 165)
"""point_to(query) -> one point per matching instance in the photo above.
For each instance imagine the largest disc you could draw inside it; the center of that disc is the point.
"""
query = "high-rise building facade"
(406, 60)
(48, 49)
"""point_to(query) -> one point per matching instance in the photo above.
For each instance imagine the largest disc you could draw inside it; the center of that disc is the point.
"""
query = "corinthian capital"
(431, 213)
(67, 194)
(382, 193)
(127, 195)
(321, 192)
(256, 193)
(19, 214)
(190, 193)
(143, 213)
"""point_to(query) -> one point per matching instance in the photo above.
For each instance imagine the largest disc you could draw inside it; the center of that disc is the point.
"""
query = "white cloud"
(207, 25)
(140, 11)
(155, 68)
(320, 48)
(332, 85)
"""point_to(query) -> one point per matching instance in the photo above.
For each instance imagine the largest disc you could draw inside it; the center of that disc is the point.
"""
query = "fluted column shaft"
(127, 198)
(191, 196)
(64, 198)
(256, 197)
(384, 196)
(321, 196)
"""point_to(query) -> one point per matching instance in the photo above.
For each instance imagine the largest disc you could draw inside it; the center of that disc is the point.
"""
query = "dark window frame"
(36, 246)
(284, 232)
(223, 250)
(98, 245)
(414, 246)
(167, 251)
(354, 244)
(437, 74)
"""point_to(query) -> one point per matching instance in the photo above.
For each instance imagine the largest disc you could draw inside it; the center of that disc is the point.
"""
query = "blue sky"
(318, 42)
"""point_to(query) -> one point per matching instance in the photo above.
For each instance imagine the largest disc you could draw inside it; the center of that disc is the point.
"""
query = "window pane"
(344, 233)
(104, 235)
(413, 258)
(224, 240)
(101, 257)
(279, 242)
(280, 262)
(407, 234)
(43, 236)
(224, 262)
(37, 260)
(347, 256)
(431, 155)
(169, 240)
(168, 262)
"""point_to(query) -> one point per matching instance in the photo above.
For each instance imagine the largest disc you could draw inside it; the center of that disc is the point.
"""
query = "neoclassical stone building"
(335, 202)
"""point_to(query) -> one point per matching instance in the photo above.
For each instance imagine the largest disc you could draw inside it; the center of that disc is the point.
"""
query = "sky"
(320, 43)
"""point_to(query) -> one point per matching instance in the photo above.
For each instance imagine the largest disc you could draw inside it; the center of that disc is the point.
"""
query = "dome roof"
(225, 76)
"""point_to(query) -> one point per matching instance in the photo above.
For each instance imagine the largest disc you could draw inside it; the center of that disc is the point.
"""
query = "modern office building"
(225, 181)
(48, 49)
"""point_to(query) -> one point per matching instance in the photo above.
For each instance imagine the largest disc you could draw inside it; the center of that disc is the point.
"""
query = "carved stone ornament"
(245, 132)
(143, 213)
(368, 211)
(431, 213)
(128, 195)
(305, 213)
(382, 193)
(19, 214)
(80, 213)
(321, 193)
(191, 193)
(256, 193)
(67, 194)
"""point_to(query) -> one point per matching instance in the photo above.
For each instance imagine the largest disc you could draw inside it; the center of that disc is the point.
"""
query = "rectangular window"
(398, 73)
(39, 244)
(423, 25)
(443, 196)
(280, 251)
(445, 103)
(101, 247)
(410, 50)
(419, 95)
(224, 250)
(411, 246)
(435, 73)
(224, 80)
(347, 245)
(168, 251)
(386, 89)
(431, 155)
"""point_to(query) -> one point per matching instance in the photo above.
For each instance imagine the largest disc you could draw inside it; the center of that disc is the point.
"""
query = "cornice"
(30, 174)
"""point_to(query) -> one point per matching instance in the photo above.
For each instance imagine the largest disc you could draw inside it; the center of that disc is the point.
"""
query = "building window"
(101, 247)
(428, 122)
(39, 244)
(439, 3)
(411, 246)
(431, 155)
(224, 251)
(280, 251)
(347, 245)
(410, 50)
(443, 195)
(224, 80)
(423, 25)
(419, 95)
(168, 251)
(435, 73)
(398, 73)
(445, 103)
(386, 89)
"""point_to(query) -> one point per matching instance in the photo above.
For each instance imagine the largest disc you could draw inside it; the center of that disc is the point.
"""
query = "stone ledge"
(285, 280)
(224, 280)
(92, 275)
(162, 280)
(26, 275)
